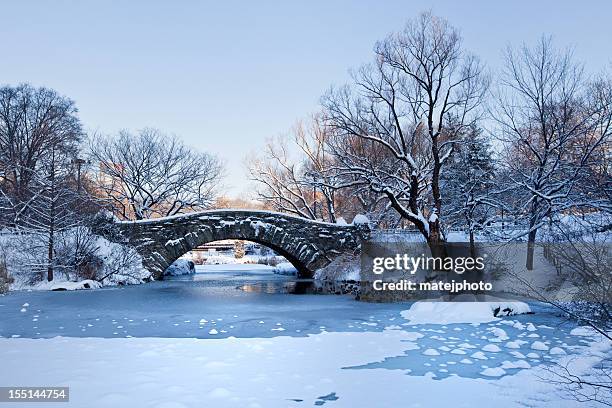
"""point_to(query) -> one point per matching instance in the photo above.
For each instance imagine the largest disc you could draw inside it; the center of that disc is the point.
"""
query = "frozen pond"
(249, 301)
(229, 300)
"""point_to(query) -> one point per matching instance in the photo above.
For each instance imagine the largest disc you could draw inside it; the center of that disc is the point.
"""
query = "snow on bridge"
(307, 244)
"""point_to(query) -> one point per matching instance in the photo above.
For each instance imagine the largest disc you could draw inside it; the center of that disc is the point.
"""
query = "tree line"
(426, 136)
(55, 179)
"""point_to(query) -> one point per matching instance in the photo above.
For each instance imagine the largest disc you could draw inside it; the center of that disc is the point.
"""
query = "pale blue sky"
(226, 75)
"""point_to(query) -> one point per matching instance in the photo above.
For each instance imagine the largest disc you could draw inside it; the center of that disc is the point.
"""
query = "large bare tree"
(409, 106)
(151, 174)
(34, 123)
(553, 122)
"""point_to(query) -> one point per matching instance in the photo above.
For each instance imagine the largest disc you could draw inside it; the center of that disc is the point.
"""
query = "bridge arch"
(308, 245)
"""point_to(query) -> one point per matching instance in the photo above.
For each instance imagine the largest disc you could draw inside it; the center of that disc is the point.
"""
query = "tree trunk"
(530, 249)
(51, 241)
(50, 255)
(472, 245)
(533, 232)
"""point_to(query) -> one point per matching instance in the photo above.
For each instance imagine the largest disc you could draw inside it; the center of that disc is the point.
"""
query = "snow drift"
(428, 312)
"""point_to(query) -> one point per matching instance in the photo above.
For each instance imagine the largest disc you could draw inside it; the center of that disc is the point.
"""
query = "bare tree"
(407, 106)
(34, 122)
(584, 261)
(54, 208)
(552, 122)
(292, 174)
(297, 174)
(152, 174)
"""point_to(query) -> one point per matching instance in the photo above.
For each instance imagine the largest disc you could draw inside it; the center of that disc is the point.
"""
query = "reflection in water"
(297, 287)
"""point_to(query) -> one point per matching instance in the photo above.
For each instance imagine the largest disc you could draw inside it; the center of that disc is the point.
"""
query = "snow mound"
(479, 355)
(180, 267)
(285, 268)
(513, 345)
(426, 312)
(557, 351)
(538, 345)
(64, 285)
(509, 365)
(361, 219)
(499, 333)
(492, 348)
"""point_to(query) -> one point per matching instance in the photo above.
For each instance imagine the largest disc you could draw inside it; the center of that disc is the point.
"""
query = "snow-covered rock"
(285, 268)
(361, 219)
(427, 312)
(180, 267)
(59, 285)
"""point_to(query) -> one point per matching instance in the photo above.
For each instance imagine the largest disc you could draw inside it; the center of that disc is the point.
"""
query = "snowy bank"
(428, 312)
(82, 260)
(59, 285)
(258, 372)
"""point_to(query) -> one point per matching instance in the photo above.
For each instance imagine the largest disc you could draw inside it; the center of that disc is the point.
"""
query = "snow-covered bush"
(79, 255)
(270, 260)
(122, 265)
(22, 257)
(76, 253)
(342, 268)
(341, 276)
(5, 279)
(180, 267)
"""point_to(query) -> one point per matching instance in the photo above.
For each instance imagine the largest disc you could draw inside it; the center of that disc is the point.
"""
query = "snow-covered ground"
(228, 337)
(280, 372)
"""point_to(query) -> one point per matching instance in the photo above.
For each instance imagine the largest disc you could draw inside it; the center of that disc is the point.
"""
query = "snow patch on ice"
(493, 372)
(538, 345)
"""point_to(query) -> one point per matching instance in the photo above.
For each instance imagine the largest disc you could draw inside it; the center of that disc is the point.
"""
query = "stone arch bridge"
(308, 245)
